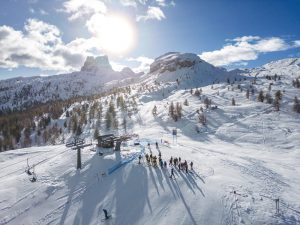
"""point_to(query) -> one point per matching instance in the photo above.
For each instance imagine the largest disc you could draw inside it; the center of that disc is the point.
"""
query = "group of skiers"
(152, 160)
(173, 162)
(182, 165)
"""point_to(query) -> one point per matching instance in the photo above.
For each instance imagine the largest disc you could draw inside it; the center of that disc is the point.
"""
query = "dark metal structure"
(110, 141)
(77, 144)
(106, 141)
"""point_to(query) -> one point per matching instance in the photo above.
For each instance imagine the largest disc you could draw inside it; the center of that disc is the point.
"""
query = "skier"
(156, 145)
(171, 161)
(191, 165)
(140, 157)
(172, 173)
(106, 214)
(165, 164)
(161, 163)
(175, 161)
(186, 166)
(179, 160)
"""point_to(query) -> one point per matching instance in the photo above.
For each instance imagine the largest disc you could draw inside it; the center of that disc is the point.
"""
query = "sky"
(39, 37)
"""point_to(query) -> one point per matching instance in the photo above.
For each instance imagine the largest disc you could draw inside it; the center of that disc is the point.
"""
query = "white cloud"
(144, 66)
(39, 45)
(245, 39)
(31, 10)
(161, 3)
(129, 3)
(82, 8)
(116, 66)
(297, 43)
(244, 49)
(43, 12)
(153, 12)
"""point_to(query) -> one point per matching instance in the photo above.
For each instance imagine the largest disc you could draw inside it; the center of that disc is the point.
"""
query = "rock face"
(172, 61)
(127, 72)
(188, 69)
(96, 64)
(95, 76)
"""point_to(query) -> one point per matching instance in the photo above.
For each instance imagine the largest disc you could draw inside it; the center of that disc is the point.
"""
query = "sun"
(117, 34)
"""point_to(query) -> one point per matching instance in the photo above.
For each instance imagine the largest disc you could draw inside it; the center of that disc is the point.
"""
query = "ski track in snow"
(245, 157)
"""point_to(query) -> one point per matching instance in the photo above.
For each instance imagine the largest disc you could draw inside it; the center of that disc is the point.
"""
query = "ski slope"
(142, 194)
(244, 158)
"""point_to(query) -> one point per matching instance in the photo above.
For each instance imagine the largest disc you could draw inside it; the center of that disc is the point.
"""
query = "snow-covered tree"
(233, 101)
(296, 106)
(154, 110)
(261, 96)
(186, 103)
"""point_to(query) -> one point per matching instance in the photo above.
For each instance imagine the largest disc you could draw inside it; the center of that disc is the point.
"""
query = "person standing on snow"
(191, 165)
(105, 214)
(171, 161)
(172, 173)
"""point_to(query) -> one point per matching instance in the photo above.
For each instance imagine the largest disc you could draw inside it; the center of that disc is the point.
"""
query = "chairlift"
(34, 177)
(27, 169)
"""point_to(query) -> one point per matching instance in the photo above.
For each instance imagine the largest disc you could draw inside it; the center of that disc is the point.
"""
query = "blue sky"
(48, 37)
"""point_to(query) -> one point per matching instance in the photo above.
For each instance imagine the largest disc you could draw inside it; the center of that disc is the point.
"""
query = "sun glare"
(118, 35)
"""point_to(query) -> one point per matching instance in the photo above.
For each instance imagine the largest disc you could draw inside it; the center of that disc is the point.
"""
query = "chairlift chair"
(27, 169)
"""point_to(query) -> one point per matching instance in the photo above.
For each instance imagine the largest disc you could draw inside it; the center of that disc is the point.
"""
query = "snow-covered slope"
(284, 67)
(188, 69)
(245, 157)
(93, 78)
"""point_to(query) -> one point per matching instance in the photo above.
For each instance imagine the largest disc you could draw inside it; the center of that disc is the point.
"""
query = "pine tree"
(124, 123)
(247, 93)
(108, 119)
(232, 101)
(197, 93)
(269, 98)
(296, 106)
(261, 96)
(74, 123)
(276, 104)
(27, 139)
(96, 133)
(178, 110)
(202, 119)
(172, 110)
(297, 83)
(78, 131)
(207, 102)
(154, 111)
(278, 95)
(186, 103)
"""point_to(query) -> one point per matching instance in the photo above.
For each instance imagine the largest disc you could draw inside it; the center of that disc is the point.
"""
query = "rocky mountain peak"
(95, 64)
(172, 61)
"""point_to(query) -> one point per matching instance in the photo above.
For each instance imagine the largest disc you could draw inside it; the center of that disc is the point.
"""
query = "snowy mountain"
(95, 74)
(187, 68)
(241, 132)
(285, 67)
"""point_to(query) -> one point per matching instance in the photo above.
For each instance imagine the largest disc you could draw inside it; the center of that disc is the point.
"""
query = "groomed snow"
(246, 157)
